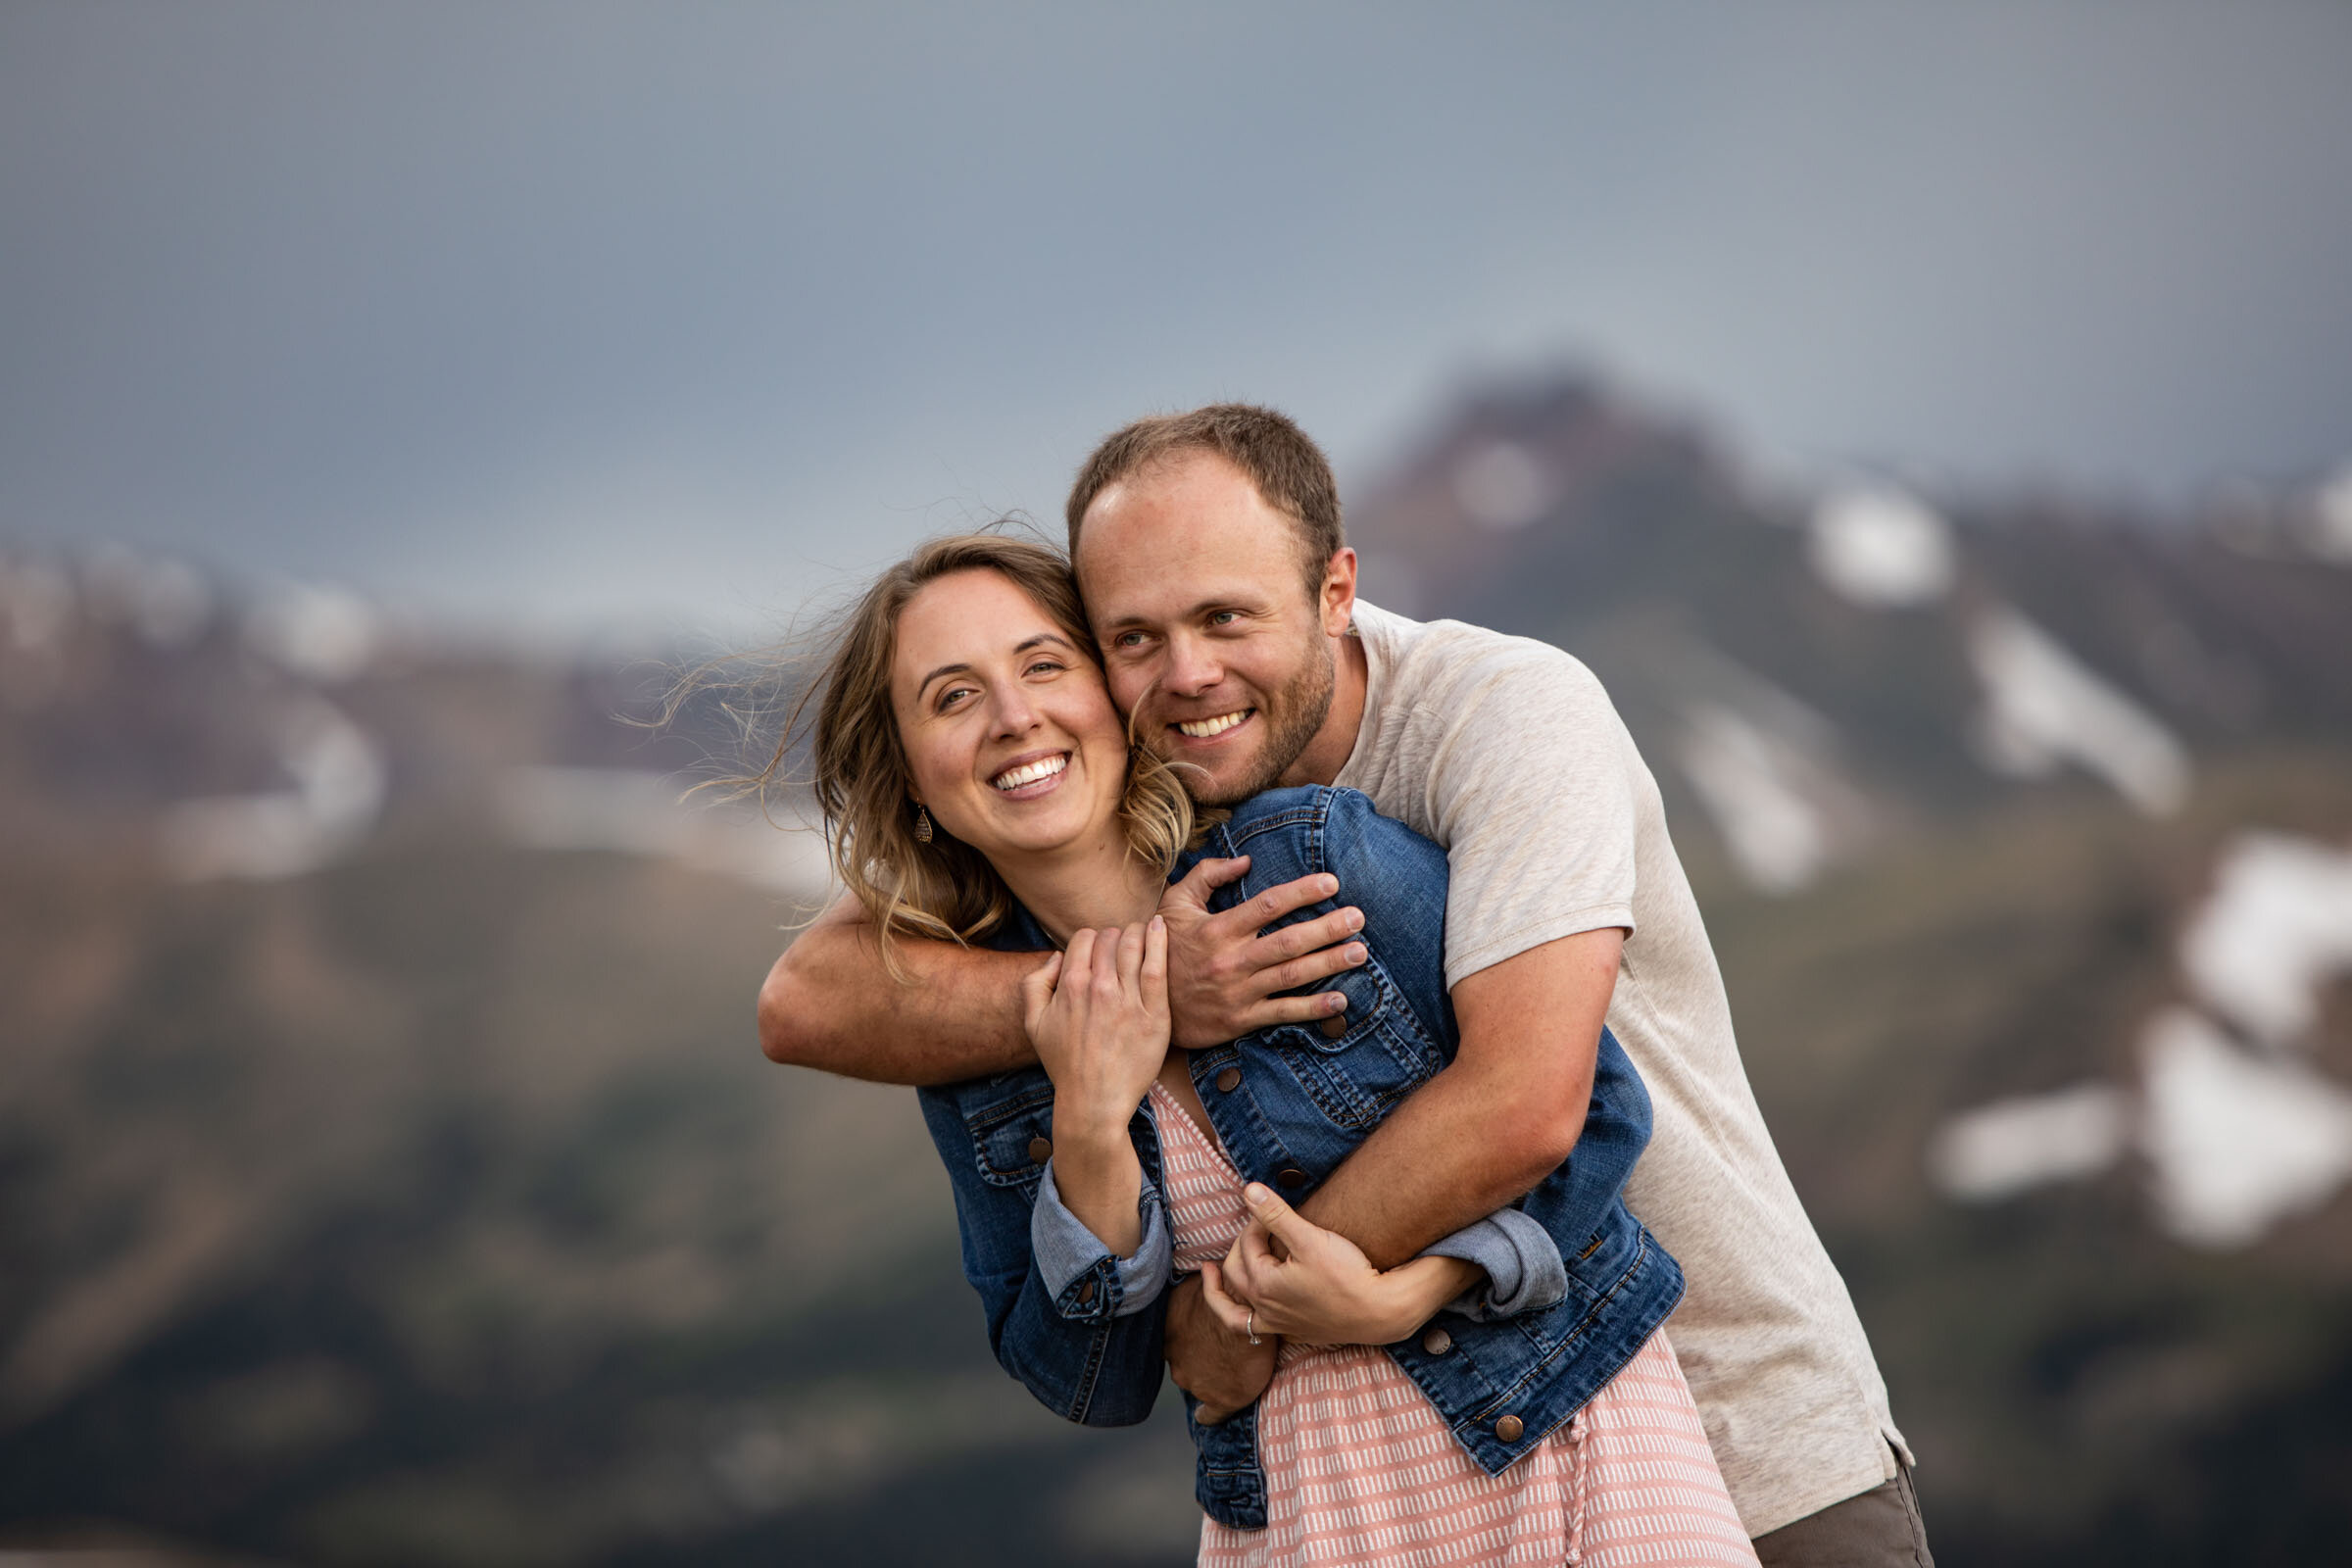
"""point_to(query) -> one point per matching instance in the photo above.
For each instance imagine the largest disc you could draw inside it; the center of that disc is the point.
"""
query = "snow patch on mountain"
(2044, 708)
(1881, 548)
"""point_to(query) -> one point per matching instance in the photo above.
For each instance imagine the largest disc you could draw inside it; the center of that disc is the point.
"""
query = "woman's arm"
(1081, 1347)
(1098, 1016)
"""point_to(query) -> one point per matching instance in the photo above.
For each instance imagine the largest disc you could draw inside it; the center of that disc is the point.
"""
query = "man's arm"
(830, 1003)
(1498, 1120)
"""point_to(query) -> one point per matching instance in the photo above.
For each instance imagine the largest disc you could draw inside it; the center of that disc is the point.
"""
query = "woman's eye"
(954, 695)
(1044, 666)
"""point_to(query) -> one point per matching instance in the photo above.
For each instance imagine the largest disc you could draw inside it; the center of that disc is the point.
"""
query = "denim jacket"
(1301, 1104)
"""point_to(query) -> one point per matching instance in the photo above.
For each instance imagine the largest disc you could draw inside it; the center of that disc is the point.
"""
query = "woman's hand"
(1097, 1013)
(1288, 1276)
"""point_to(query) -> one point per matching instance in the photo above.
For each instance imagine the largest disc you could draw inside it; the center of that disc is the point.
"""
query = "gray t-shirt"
(1508, 753)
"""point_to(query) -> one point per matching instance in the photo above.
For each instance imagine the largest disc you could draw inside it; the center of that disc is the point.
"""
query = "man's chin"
(1228, 784)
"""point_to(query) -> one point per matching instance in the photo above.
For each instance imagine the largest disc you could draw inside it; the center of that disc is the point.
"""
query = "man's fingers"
(1194, 887)
(1265, 908)
(1312, 969)
(1292, 1009)
(1307, 936)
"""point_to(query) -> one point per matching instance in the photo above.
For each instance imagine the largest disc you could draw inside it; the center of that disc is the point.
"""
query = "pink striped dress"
(1359, 1468)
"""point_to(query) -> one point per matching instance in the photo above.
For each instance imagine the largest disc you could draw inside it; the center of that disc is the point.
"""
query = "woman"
(978, 786)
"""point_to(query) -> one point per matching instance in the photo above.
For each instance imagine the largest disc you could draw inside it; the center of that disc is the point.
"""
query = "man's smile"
(1201, 729)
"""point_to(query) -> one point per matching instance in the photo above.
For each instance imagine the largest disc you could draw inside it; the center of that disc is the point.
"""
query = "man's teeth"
(1013, 778)
(1201, 729)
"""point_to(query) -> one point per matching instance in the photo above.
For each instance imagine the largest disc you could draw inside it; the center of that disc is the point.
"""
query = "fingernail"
(1157, 922)
(1335, 1003)
(1356, 954)
(1355, 919)
(1257, 1192)
(1329, 884)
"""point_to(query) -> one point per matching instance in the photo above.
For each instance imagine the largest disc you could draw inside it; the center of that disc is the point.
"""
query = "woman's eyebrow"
(924, 685)
(962, 667)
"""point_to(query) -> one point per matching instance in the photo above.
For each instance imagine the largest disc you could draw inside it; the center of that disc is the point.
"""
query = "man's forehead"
(1183, 535)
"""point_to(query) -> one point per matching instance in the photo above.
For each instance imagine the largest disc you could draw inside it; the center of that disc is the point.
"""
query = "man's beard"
(1292, 721)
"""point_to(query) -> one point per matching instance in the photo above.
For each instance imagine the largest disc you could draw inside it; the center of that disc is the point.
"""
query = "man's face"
(1213, 645)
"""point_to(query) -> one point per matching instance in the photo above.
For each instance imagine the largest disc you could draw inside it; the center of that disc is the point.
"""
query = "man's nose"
(1192, 668)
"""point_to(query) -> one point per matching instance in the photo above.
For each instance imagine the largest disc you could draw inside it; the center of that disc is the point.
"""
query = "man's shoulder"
(1448, 667)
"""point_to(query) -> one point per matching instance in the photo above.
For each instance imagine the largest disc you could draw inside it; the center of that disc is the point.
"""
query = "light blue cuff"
(1080, 1274)
(1524, 1272)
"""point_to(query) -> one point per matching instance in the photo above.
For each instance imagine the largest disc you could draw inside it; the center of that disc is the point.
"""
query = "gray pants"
(1880, 1529)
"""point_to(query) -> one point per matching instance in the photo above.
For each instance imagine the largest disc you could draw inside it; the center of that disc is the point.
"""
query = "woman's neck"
(1096, 884)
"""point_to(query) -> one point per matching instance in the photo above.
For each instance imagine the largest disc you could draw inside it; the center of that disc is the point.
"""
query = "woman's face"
(1008, 730)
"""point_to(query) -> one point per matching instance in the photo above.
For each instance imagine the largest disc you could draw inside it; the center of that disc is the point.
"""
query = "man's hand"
(1216, 1366)
(1223, 975)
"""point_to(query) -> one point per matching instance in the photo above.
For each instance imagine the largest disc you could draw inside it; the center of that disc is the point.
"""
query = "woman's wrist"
(1101, 1182)
(1414, 1292)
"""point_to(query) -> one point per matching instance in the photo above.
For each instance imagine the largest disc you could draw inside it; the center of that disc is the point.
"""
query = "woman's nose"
(1015, 714)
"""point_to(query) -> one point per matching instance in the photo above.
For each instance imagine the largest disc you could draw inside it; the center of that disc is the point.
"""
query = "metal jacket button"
(1334, 1026)
(1041, 1150)
(1290, 1176)
(1437, 1342)
(1509, 1428)
(1229, 1080)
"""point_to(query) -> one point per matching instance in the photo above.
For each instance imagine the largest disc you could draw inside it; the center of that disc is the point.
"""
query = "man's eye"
(1128, 639)
(1224, 617)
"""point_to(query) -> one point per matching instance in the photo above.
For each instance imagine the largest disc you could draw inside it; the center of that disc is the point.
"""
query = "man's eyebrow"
(1023, 646)
(1192, 611)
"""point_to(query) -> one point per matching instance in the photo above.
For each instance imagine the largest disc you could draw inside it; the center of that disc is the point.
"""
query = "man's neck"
(1320, 762)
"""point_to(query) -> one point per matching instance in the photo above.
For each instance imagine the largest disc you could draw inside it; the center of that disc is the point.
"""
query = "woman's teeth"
(1013, 778)
(1201, 729)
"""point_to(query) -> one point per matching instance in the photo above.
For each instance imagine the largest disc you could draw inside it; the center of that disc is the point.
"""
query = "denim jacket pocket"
(1012, 1132)
(1358, 1075)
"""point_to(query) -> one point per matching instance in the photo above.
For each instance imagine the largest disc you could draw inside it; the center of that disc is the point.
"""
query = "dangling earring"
(922, 824)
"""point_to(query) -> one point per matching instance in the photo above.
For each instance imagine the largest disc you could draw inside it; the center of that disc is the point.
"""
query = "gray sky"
(548, 313)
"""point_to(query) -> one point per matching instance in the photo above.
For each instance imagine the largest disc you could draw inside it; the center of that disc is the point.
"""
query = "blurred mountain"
(388, 1173)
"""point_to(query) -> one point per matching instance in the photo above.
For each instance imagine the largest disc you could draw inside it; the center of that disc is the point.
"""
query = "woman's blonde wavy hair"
(943, 889)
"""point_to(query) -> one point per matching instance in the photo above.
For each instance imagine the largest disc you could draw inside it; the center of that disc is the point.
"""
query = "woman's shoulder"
(1306, 828)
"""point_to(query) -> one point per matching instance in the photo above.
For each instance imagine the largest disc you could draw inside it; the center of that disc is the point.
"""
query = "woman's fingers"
(1153, 979)
(1037, 990)
(1131, 962)
(1232, 1314)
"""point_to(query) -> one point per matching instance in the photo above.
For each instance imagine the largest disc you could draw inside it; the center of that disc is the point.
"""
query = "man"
(1219, 585)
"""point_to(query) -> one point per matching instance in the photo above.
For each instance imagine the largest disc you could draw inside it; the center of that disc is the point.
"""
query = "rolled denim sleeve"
(1524, 1272)
(1069, 1256)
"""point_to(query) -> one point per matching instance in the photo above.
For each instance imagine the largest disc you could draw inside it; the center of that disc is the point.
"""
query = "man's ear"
(1338, 603)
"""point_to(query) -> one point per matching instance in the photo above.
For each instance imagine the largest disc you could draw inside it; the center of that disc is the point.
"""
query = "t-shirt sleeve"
(1532, 788)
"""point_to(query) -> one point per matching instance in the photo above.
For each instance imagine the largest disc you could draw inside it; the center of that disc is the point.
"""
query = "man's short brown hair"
(1290, 472)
